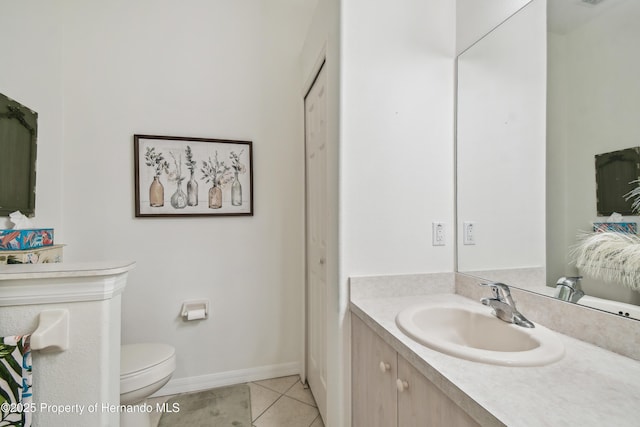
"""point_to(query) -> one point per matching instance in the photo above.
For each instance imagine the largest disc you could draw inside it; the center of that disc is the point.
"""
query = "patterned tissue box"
(13, 240)
(618, 227)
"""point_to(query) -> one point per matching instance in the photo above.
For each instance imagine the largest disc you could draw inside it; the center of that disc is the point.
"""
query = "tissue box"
(15, 240)
(618, 227)
(47, 254)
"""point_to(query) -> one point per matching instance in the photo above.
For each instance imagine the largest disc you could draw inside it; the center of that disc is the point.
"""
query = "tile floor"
(277, 402)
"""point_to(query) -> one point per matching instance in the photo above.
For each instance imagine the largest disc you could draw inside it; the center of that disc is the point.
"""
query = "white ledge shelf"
(23, 284)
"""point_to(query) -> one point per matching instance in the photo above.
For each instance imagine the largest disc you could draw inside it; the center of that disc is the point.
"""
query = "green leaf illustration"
(14, 387)
(6, 350)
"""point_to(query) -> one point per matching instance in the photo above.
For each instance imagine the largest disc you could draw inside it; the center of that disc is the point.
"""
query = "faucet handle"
(572, 280)
(569, 289)
(500, 290)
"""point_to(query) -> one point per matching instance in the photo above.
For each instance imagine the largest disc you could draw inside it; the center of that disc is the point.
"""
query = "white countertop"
(589, 386)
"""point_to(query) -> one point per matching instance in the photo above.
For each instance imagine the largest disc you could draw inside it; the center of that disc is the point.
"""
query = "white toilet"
(144, 369)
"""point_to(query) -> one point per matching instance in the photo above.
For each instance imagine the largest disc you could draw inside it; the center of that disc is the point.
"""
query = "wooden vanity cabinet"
(387, 391)
(374, 370)
(423, 404)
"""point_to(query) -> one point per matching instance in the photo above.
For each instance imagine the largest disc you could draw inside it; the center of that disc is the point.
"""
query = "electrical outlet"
(438, 233)
(469, 233)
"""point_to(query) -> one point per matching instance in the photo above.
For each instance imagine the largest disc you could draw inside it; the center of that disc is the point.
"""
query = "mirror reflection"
(504, 176)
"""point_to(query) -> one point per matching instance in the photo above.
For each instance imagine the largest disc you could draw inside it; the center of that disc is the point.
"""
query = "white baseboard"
(204, 382)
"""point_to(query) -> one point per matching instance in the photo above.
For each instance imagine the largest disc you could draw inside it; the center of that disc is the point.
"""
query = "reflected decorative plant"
(613, 256)
(610, 256)
(635, 195)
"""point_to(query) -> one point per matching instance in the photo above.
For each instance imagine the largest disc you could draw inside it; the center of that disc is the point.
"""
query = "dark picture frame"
(183, 176)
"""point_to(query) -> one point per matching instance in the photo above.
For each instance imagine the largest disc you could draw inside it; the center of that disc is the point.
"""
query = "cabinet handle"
(401, 385)
(384, 367)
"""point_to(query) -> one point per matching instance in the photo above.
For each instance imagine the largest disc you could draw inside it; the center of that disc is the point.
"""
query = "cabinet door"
(373, 378)
(422, 404)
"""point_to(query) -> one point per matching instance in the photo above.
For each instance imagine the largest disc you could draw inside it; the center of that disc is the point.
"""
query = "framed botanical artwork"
(176, 176)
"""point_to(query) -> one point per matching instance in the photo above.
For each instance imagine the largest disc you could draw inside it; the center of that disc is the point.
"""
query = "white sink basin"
(470, 331)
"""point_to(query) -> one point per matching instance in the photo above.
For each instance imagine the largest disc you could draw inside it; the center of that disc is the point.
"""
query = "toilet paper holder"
(195, 310)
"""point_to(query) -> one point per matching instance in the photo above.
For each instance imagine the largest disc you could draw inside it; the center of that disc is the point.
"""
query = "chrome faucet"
(503, 305)
(568, 289)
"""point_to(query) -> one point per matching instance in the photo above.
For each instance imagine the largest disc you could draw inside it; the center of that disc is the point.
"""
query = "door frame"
(306, 88)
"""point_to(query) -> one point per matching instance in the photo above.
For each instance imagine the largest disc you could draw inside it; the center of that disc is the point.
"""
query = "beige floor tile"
(261, 399)
(298, 392)
(155, 416)
(317, 422)
(287, 412)
(281, 384)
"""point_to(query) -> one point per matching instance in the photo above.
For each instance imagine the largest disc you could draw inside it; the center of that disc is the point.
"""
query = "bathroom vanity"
(397, 381)
(401, 395)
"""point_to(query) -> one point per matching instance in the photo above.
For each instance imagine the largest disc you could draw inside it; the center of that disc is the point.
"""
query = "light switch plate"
(469, 233)
(438, 233)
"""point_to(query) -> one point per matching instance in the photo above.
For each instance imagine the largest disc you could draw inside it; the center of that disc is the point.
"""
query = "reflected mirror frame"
(474, 274)
(615, 172)
(18, 147)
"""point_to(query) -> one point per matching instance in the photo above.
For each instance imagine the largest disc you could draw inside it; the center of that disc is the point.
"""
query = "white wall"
(232, 70)
(556, 180)
(396, 143)
(396, 135)
(501, 144)
(30, 73)
(210, 69)
(476, 18)
(596, 67)
(199, 68)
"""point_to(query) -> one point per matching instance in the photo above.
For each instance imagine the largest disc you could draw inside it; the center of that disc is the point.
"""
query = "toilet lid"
(138, 357)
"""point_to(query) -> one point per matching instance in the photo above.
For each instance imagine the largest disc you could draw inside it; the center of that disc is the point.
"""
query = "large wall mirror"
(539, 97)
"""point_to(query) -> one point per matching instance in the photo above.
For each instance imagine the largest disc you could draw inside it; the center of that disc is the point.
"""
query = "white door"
(316, 189)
